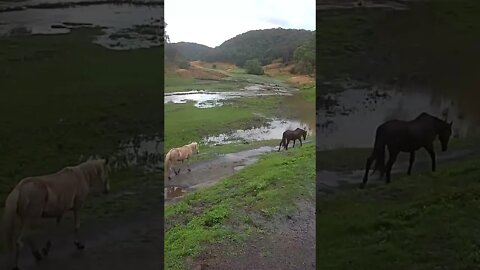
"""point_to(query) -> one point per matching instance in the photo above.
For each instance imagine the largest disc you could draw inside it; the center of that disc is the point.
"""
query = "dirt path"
(288, 244)
(126, 243)
(269, 250)
(331, 181)
(207, 173)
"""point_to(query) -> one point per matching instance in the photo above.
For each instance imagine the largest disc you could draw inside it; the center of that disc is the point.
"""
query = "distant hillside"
(265, 45)
(192, 51)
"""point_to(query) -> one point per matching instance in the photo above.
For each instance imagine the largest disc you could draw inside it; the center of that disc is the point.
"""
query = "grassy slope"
(63, 96)
(428, 221)
(225, 211)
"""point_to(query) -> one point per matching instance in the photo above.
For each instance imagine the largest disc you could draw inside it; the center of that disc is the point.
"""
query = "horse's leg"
(28, 236)
(18, 245)
(300, 142)
(188, 165)
(367, 168)
(76, 220)
(430, 151)
(48, 244)
(393, 154)
(412, 159)
(280, 145)
(288, 142)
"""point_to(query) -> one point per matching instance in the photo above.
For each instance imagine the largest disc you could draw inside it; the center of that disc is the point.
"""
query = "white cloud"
(211, 22)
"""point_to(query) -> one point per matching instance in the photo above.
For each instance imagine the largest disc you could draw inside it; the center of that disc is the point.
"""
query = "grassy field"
(185, 123)
(63, 97)
(427, 221)
(226, 212)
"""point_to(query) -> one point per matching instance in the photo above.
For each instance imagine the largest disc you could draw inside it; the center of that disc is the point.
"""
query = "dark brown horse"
(294, 135)
(406, 136)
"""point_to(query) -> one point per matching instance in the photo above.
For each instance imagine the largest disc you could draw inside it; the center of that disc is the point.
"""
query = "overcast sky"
(211, 22)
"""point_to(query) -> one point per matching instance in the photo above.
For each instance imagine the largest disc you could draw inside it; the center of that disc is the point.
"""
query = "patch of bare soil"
(123, 243)
(280, 69)
(301, 79)
(289, 243)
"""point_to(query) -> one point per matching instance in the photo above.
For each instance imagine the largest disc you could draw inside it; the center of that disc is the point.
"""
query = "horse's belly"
(53, 213)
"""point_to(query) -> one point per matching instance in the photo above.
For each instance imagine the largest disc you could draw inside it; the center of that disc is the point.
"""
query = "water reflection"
(208, 99)
(146, 152)
(272, 130)
(350, 118)
(124, 26)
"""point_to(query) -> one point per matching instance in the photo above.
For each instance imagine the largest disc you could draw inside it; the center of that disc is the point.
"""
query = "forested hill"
(265, 45)
(191, 51)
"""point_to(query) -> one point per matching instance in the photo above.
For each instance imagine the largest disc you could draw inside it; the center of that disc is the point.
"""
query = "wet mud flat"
(209, 99)
(272, 130)
(329, 182)
(207, 173)
(124, 26)
(136, 241)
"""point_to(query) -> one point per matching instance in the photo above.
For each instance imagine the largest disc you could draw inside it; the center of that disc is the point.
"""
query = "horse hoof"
(37, 255)
(79, 246)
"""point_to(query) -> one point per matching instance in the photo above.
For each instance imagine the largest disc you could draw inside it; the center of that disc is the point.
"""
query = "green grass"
(225, 211)
(175, 83)
(185, 123)
(432, 43)
(308, 92)
(344, 159)
(63, 96)
(427, 221)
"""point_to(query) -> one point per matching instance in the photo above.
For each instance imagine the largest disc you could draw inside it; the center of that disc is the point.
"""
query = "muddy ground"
(289, 244)
(122, 243)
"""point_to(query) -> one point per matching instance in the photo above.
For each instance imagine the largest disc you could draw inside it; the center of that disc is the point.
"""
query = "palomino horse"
(179, 154)
(406, 136)
(294, 135)
(50, 196)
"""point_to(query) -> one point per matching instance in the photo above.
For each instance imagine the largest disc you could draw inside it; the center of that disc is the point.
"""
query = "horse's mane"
(93, 169)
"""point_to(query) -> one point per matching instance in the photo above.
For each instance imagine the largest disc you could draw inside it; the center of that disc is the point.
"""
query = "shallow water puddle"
(207, 173)
(124, 26)
(174, 192)
(209, 99)
(272, 130)
(350, 118)
(141, 151)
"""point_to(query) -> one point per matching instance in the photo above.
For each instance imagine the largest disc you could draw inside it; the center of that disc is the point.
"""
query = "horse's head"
(195, 146)
(304, 134)
(444, 135)
(105, 175)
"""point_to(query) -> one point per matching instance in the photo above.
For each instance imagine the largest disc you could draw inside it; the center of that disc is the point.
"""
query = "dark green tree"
(253, 66)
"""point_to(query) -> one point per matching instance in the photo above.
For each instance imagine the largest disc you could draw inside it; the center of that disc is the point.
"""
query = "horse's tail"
(10, 217)
(379, 152)
(167, 163)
